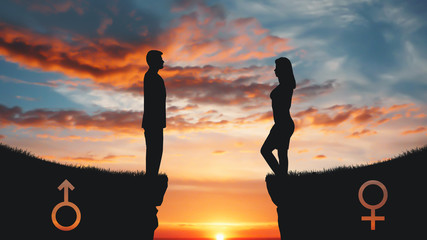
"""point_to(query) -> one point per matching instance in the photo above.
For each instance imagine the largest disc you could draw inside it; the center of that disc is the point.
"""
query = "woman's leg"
(267, 152)
(283, 160)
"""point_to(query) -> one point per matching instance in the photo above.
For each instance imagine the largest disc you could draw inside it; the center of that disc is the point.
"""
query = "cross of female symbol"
(66, 185)
(373, 218)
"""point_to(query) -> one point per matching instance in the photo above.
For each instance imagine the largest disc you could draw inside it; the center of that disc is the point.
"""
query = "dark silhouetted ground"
(118, 205)
(325, 205)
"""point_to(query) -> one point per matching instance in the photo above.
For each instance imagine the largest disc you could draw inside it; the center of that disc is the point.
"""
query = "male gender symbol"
(65, 185)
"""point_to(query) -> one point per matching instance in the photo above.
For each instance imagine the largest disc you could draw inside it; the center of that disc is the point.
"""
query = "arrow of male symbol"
(66, 185)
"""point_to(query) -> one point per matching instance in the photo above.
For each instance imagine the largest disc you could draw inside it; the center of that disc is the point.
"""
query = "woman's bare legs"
(267, 153)
(283, 160)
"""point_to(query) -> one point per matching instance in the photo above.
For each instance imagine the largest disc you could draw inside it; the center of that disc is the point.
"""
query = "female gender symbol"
(65, 185)
(373, 218)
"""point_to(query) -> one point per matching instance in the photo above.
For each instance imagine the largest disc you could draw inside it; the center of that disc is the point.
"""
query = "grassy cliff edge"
(325, 205)
(112, 204)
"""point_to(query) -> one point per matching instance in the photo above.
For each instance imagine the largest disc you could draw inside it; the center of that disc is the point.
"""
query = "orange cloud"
(326, 120)
(338, 114)
(255, 118)
(107, 138)
(91, 158)
(56, 138)
(383, 120)
(414, 131)
(364, 132)
(397, 116)
(321, 156)
(121, 122)
(219, 152)
(102, 60)
(303, 151)
(187, 107)
(398, 107)
(421, 115)
(366, 114)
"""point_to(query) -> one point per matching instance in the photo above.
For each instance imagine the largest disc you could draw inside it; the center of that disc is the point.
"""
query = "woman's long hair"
(286, 68)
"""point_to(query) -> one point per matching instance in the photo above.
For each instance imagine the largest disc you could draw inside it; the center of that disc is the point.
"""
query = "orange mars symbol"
(66, 185)
(373, 218)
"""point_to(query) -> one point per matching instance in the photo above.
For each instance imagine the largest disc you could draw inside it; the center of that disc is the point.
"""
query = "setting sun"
(220, 236)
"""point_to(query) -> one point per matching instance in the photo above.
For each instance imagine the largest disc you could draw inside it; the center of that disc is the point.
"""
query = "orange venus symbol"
(373, 218)
(66, 185)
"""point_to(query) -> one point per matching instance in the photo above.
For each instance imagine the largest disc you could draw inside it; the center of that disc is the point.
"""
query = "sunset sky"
(71, 91)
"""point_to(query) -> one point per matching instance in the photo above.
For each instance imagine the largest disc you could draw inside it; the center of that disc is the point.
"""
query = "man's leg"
(159, 151)
(154, 150)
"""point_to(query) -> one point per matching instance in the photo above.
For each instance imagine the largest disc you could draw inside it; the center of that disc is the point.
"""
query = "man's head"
(154, 59)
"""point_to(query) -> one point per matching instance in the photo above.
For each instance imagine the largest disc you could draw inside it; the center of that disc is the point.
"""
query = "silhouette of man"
(283, 128)
(154, 118)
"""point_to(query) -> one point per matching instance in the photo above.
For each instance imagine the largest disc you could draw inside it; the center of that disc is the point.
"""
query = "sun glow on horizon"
(220, 236)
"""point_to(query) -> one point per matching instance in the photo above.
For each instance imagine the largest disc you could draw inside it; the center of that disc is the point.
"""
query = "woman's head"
(284, 72)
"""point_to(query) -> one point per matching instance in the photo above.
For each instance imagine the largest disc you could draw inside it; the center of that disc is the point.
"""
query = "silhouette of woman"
(283, 128)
